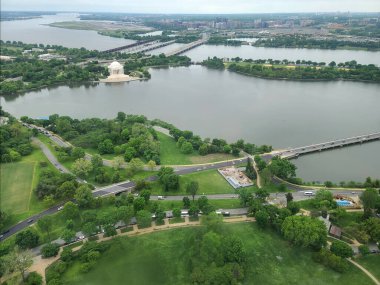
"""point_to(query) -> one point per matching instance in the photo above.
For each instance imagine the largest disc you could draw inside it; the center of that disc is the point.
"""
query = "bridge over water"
(295, 152)
(187, 47)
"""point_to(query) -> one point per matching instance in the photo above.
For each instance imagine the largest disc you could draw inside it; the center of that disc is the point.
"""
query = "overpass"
(187, 47)
(295, 152)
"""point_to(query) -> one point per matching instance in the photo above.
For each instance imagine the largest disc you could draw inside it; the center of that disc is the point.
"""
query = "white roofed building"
(116, 71)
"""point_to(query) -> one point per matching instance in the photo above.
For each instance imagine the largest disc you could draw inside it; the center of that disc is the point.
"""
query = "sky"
(193, 6)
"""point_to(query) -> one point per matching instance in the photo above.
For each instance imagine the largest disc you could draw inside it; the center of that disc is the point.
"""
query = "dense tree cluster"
(341, 71)
(298, 41)
(282, 168)
(14, 140)
(215, 63)
(219, 40)
(25, 74)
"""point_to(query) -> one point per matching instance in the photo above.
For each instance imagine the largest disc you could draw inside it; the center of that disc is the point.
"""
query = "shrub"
(34, 279)
(363, 249)
(341, 249)
(50, 250)
(331, 260)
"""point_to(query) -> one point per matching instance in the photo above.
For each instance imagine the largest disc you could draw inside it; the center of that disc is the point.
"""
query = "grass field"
(171, 155)
(210, 182)
(161, 258)
(16, 186)
(371, 263)
(218, 204)
(18, 181)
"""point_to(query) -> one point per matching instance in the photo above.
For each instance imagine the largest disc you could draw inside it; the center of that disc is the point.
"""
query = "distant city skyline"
(194, 6)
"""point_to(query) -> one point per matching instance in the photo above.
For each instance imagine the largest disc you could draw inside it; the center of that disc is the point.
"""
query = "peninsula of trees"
(299, 70)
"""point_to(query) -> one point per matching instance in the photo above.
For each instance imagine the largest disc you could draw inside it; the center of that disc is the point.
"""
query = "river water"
(223, 104)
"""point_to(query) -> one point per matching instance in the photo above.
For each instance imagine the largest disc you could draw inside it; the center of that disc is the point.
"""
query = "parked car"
(60, 208)
(226, 213)
(160, 197)
(29, 221)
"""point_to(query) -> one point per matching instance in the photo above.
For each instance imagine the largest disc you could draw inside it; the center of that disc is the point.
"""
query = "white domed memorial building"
(116, 71)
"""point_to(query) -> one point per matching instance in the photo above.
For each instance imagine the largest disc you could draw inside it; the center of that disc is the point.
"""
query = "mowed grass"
(162, 258)
(217, 204)
(371, 263)
(170, 154)
(18, 181)
(210, 182)
(16, 186)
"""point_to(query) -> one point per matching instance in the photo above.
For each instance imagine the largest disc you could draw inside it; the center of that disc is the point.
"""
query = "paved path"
(369, 274)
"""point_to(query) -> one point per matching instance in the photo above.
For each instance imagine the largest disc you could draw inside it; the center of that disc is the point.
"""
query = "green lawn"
(16, 186)
(18, 181)
(210, 182)
(171, 155)
(162, 258)
(371, 263)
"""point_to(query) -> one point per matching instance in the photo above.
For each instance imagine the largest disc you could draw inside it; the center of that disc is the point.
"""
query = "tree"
(129, 153)
(121, 116)
(77, 153)
(187, 148)
(262, 218)
(18, 261)
(194, 211)
(176, 213)
(89, 228)
(305, 231)
(96, 161)
(364, 249)
(146, 195)
(233, 250)
(82, 167)
(109, 231)
(245, 197)
(160, 215)
(372, 227)
(49, 250)
(261, 194)
(45, 224)
(66, 190)
(105, 147)
(125, 213)
(34, 279)
(84, 197)
(192, 188)
(282, 168)
(151, 165)
(139, 204)
(70, 210)
(186, 202)
(27, 239)
(117, 162)
(289, 197)
(341, 249)
(68, 235)
(293, 207)
(136, 165)
(144, 219)
(370, 199)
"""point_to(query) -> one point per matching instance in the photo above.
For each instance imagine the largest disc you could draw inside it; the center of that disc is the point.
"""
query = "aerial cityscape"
(190, 142)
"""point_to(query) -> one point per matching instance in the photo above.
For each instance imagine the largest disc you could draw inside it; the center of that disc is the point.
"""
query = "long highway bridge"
(295, 152)
(187, 47)
(136, 44)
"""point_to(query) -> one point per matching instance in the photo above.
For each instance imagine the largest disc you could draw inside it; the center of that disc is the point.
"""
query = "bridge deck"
(289, 153)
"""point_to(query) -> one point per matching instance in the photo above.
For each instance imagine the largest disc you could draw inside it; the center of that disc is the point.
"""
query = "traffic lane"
(180, 197)
(30, 221)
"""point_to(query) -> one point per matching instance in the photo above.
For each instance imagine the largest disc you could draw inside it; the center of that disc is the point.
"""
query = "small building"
(5, 58)
(335, 231)
(49, 56)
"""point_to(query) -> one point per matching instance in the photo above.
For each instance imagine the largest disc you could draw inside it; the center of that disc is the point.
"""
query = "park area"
(162, 258)
(18, 180)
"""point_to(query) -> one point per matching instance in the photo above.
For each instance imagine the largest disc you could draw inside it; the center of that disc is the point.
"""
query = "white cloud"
(194, 6)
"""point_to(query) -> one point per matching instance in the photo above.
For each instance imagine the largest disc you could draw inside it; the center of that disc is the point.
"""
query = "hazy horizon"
(194, 6)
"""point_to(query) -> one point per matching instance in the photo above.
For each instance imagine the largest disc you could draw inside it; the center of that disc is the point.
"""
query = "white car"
(60, 208)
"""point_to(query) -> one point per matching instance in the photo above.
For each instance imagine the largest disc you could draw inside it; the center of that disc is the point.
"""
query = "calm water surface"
(231, 106)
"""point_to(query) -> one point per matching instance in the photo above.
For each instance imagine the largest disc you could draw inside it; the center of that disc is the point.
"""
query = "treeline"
(24, 74)
(188, 142)
(298, 41)
(14, 139)
(156, 60)
(357, 72)
(219, 40)
(215, 63)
